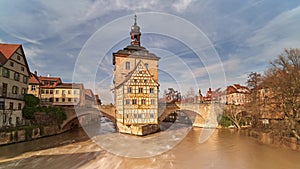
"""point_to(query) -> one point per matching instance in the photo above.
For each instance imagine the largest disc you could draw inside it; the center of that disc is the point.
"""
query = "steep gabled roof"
(139, 65)
(33, 79)
(6, 51)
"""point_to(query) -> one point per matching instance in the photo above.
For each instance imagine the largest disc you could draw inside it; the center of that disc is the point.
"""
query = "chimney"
(35, 72)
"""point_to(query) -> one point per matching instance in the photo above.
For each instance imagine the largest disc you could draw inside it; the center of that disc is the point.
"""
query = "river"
(225, 149)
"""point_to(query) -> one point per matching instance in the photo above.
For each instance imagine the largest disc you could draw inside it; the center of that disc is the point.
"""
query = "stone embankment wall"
(271, 139)
(138, 130)
(27, 133)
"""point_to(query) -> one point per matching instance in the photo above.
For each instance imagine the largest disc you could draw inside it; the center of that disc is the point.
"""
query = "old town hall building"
(135, 83)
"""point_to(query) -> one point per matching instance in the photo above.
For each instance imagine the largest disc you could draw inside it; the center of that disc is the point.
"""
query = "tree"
(30, 100)
(254, 106)
(234, 114)
(283, 79)
(30, 107)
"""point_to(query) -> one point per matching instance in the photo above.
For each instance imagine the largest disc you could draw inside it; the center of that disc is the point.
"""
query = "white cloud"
(181, 5)
(281, 32)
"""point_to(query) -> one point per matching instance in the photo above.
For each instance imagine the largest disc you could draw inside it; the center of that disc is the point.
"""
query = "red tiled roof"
(33, 79)
(6, 51)
(49, 78)
(70, 85)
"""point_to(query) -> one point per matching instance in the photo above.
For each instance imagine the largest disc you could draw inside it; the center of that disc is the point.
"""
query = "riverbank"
(28, 133)
(270, 138)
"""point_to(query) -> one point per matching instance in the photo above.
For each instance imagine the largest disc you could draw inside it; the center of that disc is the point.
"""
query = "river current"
(225, 149)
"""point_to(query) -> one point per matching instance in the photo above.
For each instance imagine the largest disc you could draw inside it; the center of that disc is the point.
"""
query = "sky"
(201, 43)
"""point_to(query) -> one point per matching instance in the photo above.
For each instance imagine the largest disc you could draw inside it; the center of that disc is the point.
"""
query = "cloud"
(181, 5)
(279, 33)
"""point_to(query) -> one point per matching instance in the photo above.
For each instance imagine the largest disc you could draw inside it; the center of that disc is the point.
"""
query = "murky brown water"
(225, 149)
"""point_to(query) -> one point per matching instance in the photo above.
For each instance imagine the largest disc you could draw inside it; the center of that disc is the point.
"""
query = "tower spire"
(135, 32)
(135, 19)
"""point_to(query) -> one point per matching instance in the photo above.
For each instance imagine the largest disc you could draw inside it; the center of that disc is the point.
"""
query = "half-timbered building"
(136, 83)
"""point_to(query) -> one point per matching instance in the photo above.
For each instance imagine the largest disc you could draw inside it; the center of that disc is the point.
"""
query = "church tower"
(135, 83)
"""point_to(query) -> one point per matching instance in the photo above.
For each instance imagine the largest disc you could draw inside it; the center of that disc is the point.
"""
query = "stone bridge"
(74, 115)
(200, 114)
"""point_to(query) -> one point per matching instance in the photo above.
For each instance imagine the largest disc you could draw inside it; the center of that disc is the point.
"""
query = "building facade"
(135, 83)
(53, 92)
(14, 77)
(235, 95)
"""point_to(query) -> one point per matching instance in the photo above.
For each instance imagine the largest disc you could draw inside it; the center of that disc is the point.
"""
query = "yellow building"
(136, 83)
(69, 94)
(14, 75)
(52, 92)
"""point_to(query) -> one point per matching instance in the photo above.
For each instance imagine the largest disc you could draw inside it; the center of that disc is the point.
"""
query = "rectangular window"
(51, 99)
(152, 101)
(134, 101)
(42, 91)
(11, 105)
(129, 90)
(19, 106)
(5, 72)
(63, 92)
(140, 90)
(15, 90)
(17, 76)
(143, 101)
(127, 101)
(75, 91)
(127, 65)
(57, 99)
(51, 91)
(139, 116)
(25, 79)
(23, 91)
(22, 69)
(33, 88)
(69, 91)
(151, 90)
(2, 105)
(4, 89)
(11, 64)
(56, 91)
(47, 91)
(152, 115)
(69, 99)
(63, 99)
(18, 57)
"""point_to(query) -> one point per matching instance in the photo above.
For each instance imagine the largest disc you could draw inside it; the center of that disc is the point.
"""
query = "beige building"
(14, 77)
(235, 94)
(135, 83)
(53, 92)
(69, 94)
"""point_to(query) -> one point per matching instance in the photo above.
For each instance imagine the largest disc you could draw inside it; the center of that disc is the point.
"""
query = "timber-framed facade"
(135, 83)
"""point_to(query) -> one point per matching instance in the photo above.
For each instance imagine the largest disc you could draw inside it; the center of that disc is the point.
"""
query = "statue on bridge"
(172, 96)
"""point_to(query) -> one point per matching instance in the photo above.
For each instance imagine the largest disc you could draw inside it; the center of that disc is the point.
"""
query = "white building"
(14, 75)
